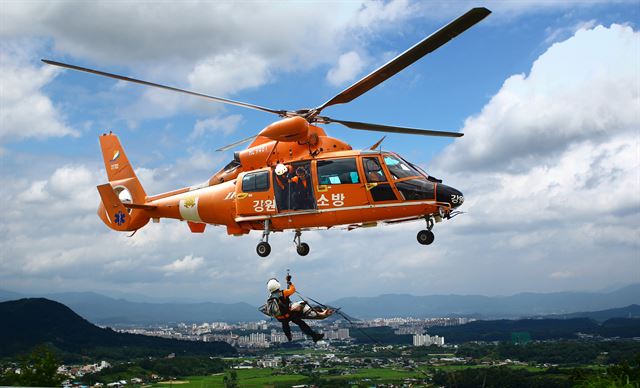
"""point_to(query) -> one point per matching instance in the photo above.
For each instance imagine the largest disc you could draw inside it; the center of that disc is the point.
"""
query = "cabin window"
(255, 181)
(337, 171)
(398, 168)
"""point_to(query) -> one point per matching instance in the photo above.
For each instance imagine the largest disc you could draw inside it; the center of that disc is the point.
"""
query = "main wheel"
(303, 249)
(425, 237)
(263, 249)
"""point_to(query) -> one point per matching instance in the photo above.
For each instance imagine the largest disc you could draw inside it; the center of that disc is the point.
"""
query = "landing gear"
(263, 249)
(426, 237)
(301, 248)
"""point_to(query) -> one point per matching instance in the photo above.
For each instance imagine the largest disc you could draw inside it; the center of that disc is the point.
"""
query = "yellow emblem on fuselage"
(190, 202)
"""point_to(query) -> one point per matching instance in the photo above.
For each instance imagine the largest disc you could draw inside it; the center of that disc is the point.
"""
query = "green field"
(258, 378)
(380, 374)
(251, 378)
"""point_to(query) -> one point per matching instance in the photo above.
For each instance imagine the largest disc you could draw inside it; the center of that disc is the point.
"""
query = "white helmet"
(273, 285)
(281, 169)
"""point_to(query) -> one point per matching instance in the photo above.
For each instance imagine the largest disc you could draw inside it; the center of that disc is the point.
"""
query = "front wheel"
(263, 249)
(303, 249)
(425, 237)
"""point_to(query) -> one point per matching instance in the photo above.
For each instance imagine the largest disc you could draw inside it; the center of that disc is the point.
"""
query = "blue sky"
(547, 94)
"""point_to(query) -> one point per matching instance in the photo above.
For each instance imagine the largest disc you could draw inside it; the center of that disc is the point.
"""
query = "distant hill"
(27, 323)
(502, 330)
(515, 306)
(631, 311)
(104, 310)
(538, 329)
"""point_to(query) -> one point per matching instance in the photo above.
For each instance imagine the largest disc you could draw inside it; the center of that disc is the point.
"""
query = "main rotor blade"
(147, 83)
(427, 45)
(389, 128)
(239, 142)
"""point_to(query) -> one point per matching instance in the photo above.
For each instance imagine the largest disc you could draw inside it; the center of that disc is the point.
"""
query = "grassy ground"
(250, 378)
(259, 378)
(379, 375)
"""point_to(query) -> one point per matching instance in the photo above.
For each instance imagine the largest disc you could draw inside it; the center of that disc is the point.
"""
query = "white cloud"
(349, 66)
(69, 187)
(225, 73)
(36, 192)
(69, 179)
(186, 264)
(225, 125)
(582, 88)
(25, 111)
(137, 32)
(380, 12)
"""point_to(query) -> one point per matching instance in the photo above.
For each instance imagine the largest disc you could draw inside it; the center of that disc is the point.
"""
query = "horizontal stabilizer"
(139, 206)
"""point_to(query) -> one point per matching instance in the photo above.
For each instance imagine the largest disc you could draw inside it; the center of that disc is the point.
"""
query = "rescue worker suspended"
(279, 306)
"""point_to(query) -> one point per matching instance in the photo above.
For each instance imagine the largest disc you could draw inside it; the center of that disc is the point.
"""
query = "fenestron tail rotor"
(386, 71)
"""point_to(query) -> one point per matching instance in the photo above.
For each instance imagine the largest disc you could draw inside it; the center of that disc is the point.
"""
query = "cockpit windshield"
(399, 168)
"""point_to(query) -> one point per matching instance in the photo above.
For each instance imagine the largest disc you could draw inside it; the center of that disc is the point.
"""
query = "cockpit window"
(398, 168)
(373, 170)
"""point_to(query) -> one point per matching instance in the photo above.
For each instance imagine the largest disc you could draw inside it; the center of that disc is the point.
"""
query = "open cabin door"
(254, 194)
(294, 189)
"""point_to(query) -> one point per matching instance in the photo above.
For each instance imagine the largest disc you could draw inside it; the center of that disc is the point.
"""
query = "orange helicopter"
(293, 176)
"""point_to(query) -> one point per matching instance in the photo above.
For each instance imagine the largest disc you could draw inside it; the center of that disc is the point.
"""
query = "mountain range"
(105, 310)
(493, 307)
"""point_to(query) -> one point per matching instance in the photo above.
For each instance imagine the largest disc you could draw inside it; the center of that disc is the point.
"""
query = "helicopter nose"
(449, 195)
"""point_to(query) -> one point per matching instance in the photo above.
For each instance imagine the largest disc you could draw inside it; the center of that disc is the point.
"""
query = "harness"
(282, 303)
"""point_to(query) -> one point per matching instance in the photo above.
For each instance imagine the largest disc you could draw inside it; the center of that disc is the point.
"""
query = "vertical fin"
(115, 160)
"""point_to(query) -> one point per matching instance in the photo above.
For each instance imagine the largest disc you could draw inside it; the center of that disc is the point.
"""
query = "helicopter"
(293, 176)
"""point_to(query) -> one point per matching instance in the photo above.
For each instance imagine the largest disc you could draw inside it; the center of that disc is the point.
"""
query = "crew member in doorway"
(281, 177)
(301, 191)
(279, 305)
